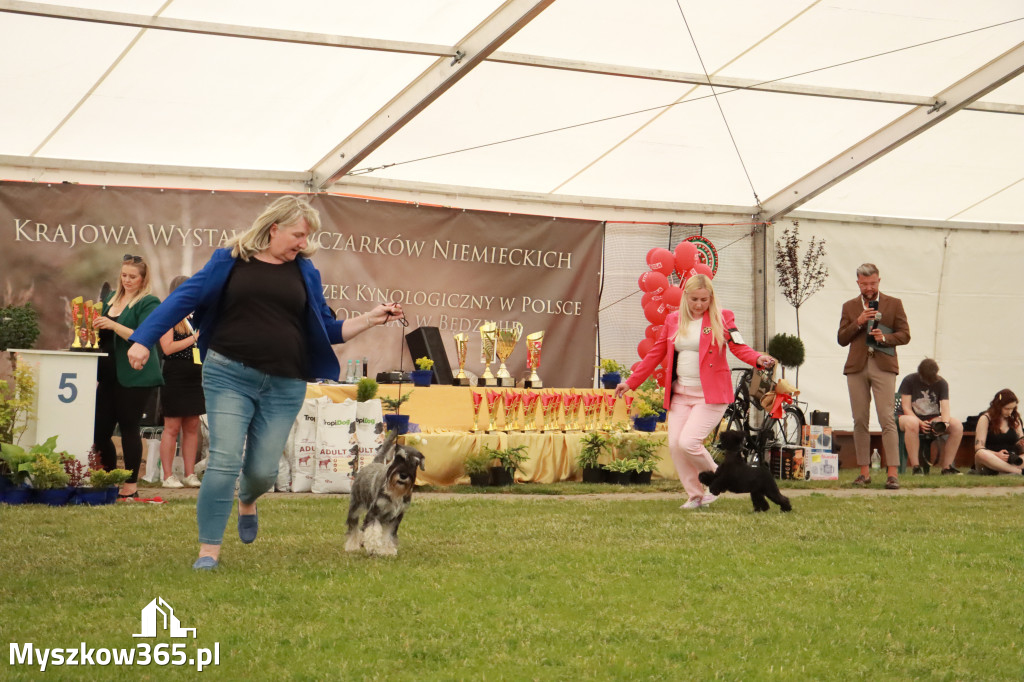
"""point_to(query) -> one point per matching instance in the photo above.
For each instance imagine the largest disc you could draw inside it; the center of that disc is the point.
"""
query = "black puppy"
(736, 476)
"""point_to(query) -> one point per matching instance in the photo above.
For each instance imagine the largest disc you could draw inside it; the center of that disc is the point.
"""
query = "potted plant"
(509, 460)
(424, 372)
(49, 480)
(395, 421)
(787, 349)
(103, 486)
(612, 373)
(478, 468)
(620, 471)
(366, 389)
(16, 467)
(642, 452)
(16, 401)
(646, 418)
(592, 446)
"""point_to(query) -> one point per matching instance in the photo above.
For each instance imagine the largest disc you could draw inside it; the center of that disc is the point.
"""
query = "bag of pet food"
(283, 484)
(370, 430)
(337, 452)
(303, 452)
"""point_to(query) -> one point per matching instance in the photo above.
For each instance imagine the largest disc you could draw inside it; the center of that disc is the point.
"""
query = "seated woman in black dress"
(181, 398)
(997, 435)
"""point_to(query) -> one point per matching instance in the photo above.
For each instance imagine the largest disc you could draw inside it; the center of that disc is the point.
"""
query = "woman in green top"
(121, 393)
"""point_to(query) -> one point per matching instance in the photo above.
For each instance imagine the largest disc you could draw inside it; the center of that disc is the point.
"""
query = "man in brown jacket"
(872, 325)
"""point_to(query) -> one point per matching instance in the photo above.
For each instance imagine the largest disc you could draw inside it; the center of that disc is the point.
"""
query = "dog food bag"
(283, 484)
(337, 448)
(303, 452)
(370, 430)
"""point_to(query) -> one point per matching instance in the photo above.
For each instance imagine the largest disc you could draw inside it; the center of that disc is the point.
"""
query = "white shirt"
(687, 355)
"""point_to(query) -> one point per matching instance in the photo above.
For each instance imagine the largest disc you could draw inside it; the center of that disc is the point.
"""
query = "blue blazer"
(201, 295)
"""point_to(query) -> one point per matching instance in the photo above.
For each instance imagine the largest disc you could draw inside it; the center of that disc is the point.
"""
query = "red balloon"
(653, 282)
(672, 296)
(661, 260)
(653, 330)
(644, 347)
(635, 365)
(702, 269)
(686, 257)
(660, 375)
(645, 299)
(655, 312)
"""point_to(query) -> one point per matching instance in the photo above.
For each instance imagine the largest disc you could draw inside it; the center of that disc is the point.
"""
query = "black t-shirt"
(262, 318)
(924, 398)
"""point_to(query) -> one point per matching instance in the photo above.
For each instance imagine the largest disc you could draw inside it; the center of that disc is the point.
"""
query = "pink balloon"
(661, 260)
(655, 312)
(644, 347)
(686, 257)
(653, 282)
(702, 269)
(653, 330)
(645, 299)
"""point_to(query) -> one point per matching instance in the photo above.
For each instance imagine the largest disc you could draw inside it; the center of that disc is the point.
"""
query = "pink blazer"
(715, 376)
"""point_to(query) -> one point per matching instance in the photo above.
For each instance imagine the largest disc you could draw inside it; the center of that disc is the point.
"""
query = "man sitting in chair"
(924, 397)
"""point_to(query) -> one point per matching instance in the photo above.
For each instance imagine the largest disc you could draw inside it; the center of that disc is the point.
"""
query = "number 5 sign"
(65, 399)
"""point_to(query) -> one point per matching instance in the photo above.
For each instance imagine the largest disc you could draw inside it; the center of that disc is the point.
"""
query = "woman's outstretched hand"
(620, 389)
(766, 362)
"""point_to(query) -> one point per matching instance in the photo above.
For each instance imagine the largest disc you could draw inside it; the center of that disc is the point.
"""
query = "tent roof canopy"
(902, 108)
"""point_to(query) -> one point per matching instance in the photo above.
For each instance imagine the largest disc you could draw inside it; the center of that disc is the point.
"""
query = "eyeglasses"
(129, 258)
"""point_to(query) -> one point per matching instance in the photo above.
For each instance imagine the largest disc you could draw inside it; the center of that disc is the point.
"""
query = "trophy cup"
(77, 317)
(507, 338)
(97, 310)
(572, 403)
(533, 345)
(530, 402)
(478, 398)
(511, 403)
(492, 409)
(90, 335)
(461, 346)
(546, 408)
(609, 403)
(488, 338)
(629, 407)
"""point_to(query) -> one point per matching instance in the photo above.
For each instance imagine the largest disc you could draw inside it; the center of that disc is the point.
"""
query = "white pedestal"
(65, 399)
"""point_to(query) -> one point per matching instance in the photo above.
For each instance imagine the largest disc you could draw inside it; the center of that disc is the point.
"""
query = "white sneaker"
(708, 499)
(192, 481)
(172, 482)
(692, 503)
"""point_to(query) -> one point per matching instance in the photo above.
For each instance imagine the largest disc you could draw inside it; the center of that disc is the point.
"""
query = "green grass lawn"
(527, 588)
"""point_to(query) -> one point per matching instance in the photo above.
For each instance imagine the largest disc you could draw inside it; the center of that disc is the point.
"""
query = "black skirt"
(182, 392)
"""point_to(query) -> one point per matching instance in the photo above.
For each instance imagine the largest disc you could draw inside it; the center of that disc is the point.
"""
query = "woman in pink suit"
(701, 386)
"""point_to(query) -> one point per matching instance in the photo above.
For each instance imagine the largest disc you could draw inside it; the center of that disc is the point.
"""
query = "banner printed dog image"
(382, 490)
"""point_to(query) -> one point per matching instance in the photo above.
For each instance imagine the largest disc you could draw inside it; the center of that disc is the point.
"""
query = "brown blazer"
(852, 335)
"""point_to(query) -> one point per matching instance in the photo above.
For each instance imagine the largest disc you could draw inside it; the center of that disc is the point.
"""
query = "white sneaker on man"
(172, 482)
(192, 481)
(692, 503)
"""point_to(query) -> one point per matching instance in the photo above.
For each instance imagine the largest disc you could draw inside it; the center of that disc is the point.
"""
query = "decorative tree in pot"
(592, 446)
(395, 421)
(788, 350)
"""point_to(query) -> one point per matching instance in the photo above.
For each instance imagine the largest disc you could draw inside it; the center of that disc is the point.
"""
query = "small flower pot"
(642, 477)
(16, 495)
(620, 477)
(501, 476)
(422, 377)
(594, 474)
(645, 423)
(53, 497)
(611, 379)
(397, 422)
(480, 480)
(93, 496)
(111, 492)
(661, 416)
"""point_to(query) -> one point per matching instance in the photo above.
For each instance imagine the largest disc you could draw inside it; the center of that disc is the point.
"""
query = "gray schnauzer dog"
(383, 490)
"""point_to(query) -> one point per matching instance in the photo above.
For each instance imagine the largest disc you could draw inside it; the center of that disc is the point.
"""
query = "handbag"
(761, 382)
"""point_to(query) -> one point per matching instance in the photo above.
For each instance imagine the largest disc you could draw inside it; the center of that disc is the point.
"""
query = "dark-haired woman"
(996, 449)
(121, 393)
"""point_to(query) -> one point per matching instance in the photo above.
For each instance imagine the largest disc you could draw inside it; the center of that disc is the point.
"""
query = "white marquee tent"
(892, 129)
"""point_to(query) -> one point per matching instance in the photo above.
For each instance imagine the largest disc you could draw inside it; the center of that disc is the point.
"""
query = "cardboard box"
(817, 437)
(787, 463)
(822, 465)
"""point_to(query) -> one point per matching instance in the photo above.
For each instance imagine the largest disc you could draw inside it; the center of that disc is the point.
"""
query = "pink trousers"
(690, 420)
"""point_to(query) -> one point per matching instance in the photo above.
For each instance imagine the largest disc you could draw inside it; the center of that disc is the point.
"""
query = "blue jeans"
(248, 410)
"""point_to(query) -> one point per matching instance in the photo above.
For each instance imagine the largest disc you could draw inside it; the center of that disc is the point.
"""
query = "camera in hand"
(1014, 455)
(938, 427)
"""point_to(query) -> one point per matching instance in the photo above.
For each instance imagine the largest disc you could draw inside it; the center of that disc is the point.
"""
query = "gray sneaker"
(951, 471)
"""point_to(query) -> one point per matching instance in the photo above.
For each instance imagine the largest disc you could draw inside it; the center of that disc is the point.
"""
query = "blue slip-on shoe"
(248, 526)
(205, 563)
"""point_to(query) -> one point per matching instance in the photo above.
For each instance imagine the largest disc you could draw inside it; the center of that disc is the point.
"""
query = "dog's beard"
(397, 490)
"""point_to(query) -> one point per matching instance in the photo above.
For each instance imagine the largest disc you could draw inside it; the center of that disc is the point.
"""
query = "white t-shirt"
(687, 354)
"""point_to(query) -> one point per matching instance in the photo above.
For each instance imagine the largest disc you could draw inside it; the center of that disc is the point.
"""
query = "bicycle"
(772, 432)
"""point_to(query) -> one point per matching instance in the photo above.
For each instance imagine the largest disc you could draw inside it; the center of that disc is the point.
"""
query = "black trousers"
(121, 406)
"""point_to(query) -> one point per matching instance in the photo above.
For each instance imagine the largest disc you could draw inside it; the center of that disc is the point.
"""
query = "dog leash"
(401, 359)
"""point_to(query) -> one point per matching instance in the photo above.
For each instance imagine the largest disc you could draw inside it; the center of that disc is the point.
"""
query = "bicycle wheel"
(789, 429)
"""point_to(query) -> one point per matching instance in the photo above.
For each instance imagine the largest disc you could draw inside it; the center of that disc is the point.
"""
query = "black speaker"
(819, 418)
(426, 342)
